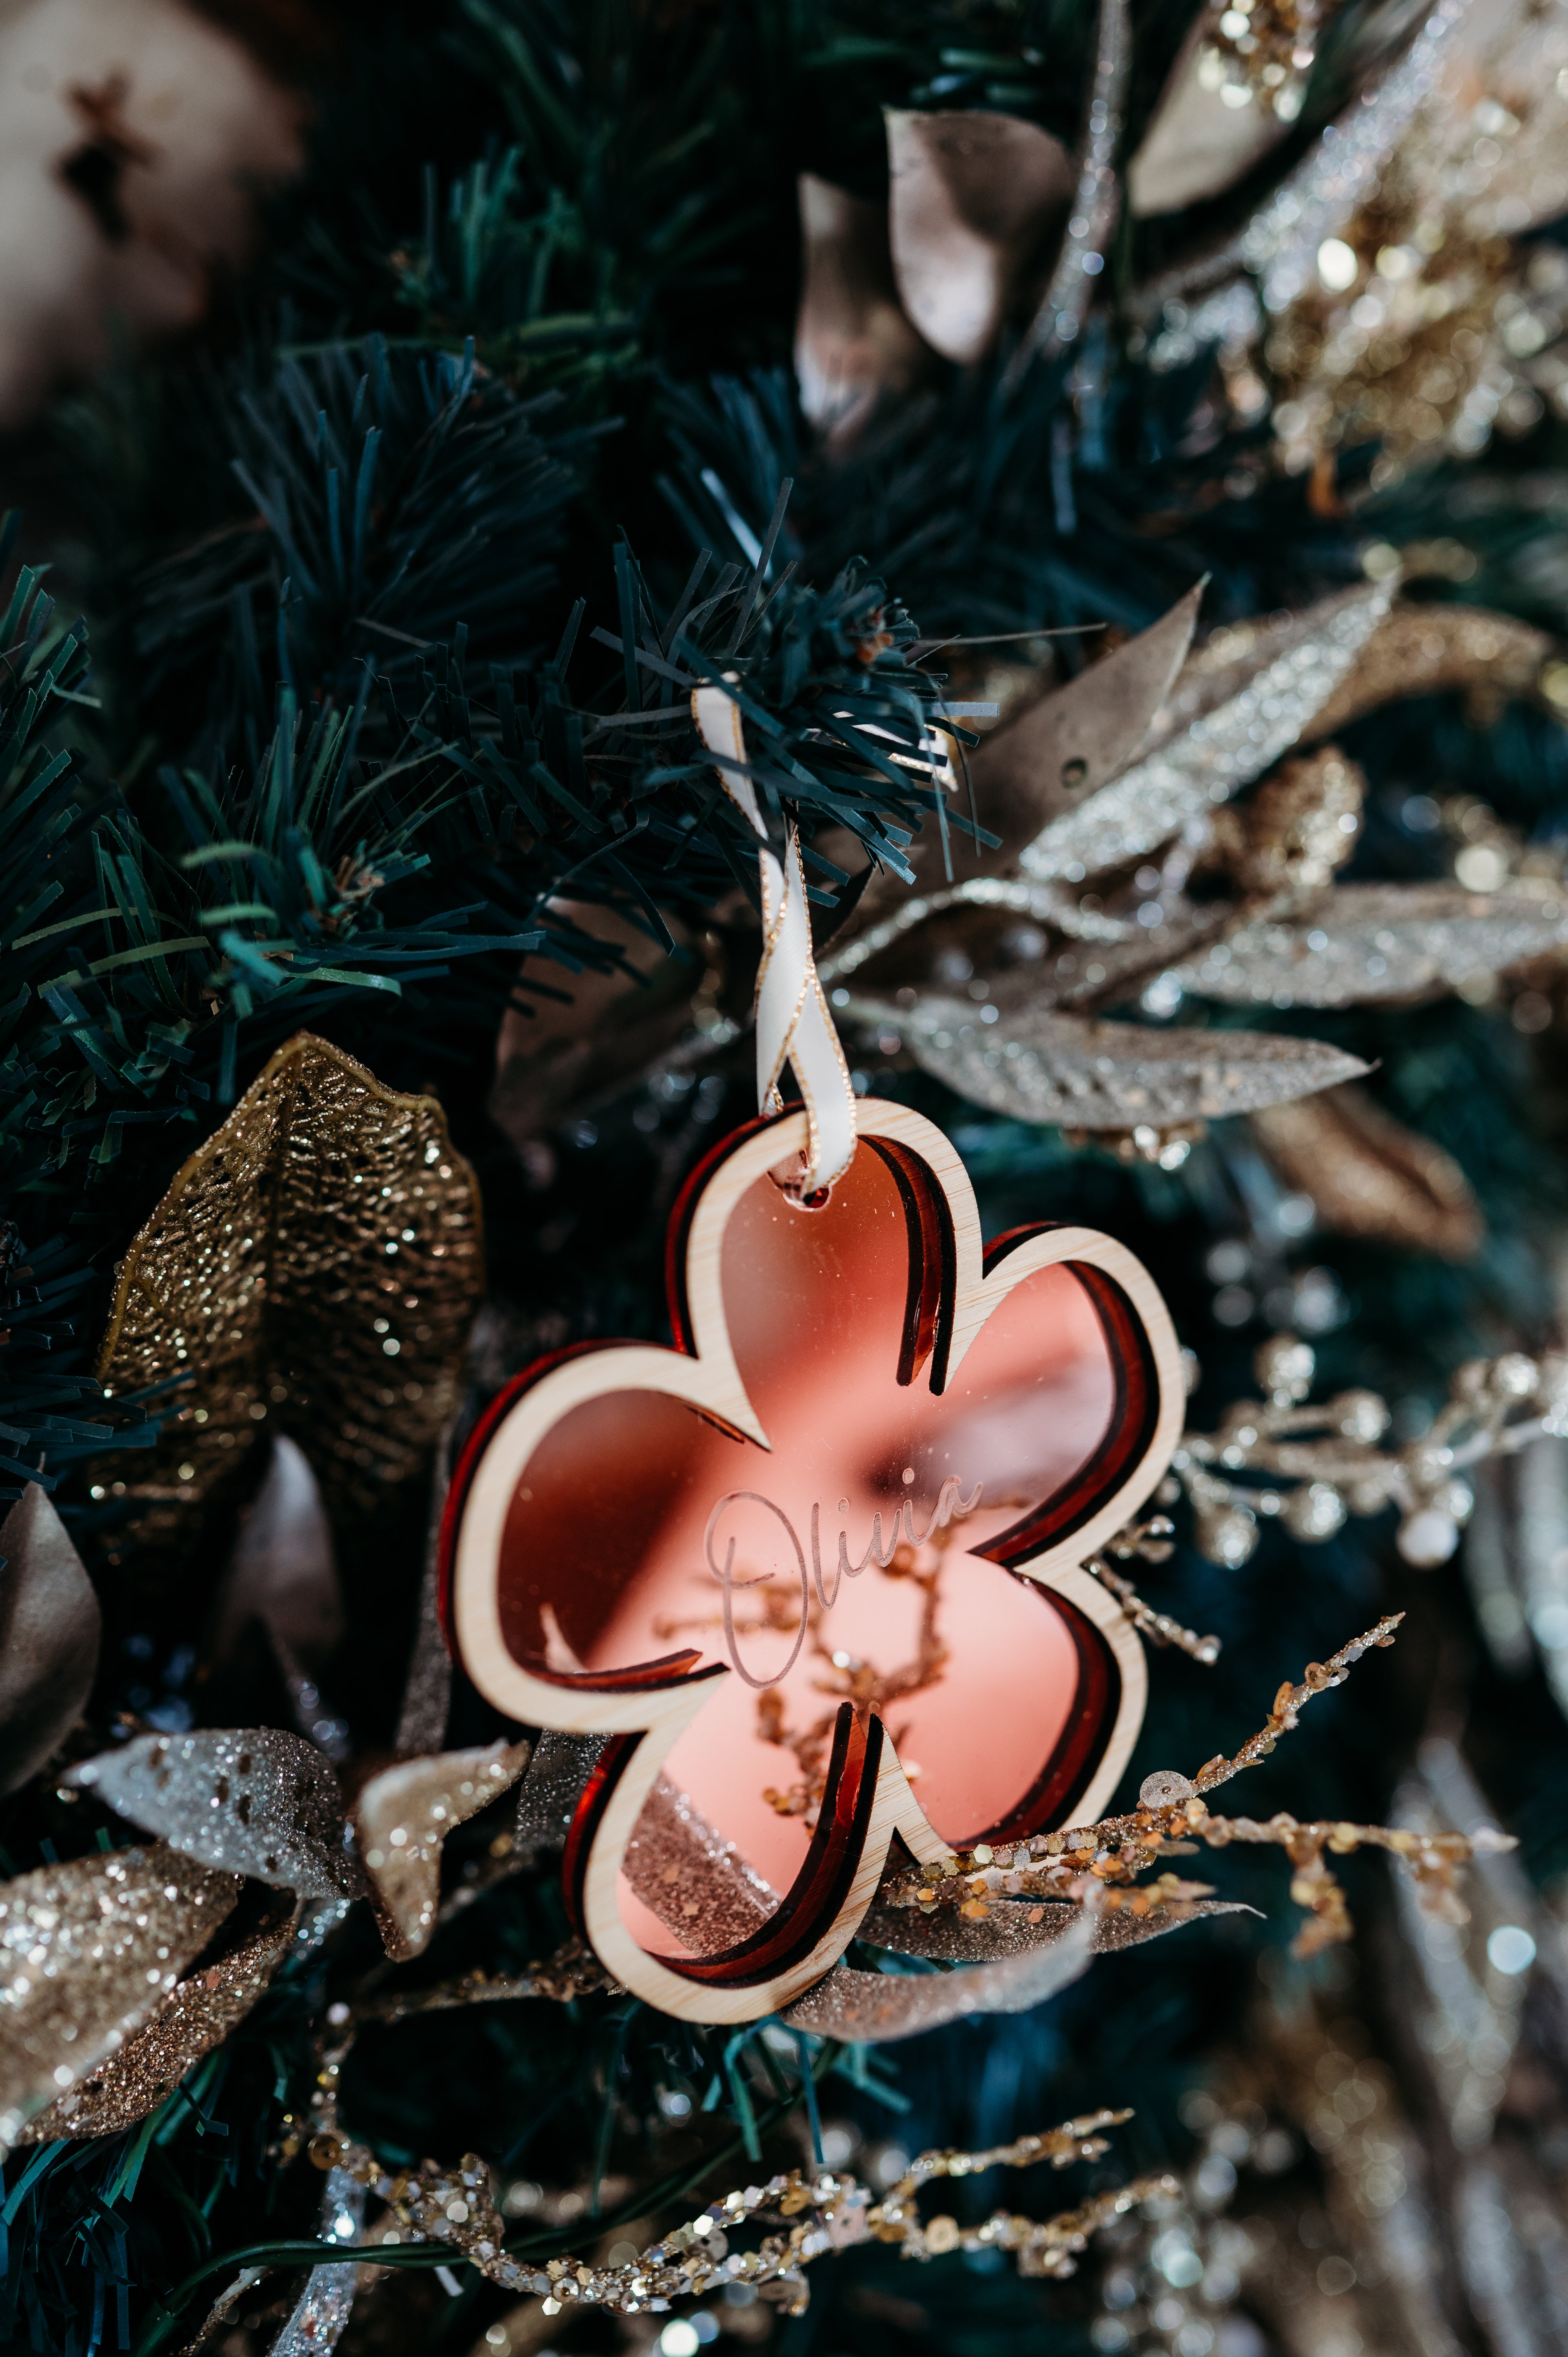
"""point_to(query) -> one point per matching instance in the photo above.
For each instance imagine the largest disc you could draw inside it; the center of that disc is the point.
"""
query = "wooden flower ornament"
(857, 1493)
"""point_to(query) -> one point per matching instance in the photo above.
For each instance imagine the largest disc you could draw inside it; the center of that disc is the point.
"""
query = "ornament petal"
(116, 1932)
(252, 1799)
(1041, 1066)
(402, 1816)
(972, 199)
(49, 1630)
(1218, 747)
(197, 2014)
(312, 1267)
(1364, 942)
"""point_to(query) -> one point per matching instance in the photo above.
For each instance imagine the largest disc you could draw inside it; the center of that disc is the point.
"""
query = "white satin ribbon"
(793, 1025)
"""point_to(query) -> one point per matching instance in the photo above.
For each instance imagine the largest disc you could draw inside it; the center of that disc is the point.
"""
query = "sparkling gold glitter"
(195, 2016)
(316, 1263)
(88, 1951)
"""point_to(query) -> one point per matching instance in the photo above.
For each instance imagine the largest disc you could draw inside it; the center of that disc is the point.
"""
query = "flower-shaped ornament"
(820, 1562)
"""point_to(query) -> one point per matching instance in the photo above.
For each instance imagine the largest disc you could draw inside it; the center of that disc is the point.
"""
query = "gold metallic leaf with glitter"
(402, 1816)
(195, 2016)
(252, 1799)
(316, 1263)
(88, 1951)
(1366, 1175)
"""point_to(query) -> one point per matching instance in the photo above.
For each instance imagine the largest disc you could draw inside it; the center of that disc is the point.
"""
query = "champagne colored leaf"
(1014, 1926)
(195, 2016)
(1036, 1065)
(1365, 942)
(88, 1951)
(313, 1268)
(402, 1816)
(1198, 144)
(1366, 1174)
(283, 1572)
(253, 1800)
(50, 1629)
(1213, 753)
(972, 199)
(853, 342)
(1057, 748)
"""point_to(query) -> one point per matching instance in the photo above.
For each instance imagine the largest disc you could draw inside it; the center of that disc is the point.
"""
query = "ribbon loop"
(793, 1024)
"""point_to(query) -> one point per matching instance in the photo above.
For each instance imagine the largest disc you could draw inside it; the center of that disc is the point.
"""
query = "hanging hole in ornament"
(789, 1178)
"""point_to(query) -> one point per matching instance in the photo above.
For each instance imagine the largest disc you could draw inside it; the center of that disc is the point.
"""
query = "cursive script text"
(951, 1506)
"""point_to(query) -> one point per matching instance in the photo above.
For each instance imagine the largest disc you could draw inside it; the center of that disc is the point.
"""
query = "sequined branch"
(816, 2214)
(1172, 1820)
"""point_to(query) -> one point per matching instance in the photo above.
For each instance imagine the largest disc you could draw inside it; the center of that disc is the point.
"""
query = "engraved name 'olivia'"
(951, 1506)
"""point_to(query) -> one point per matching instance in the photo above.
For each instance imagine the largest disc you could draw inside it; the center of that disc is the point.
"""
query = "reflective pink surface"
(631, 1511)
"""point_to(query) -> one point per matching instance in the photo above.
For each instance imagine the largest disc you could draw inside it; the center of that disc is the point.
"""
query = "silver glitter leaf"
(876, 2007)
(1217, 753)
(88, 1951)
(1038, 1065)
(50, 1629)
(253, 1800)
(1362, 942)
(971, 196)
(402, 1817)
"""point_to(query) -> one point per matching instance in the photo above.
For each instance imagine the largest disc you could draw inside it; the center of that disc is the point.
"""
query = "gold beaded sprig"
(1174, 1819)
(818, 2213)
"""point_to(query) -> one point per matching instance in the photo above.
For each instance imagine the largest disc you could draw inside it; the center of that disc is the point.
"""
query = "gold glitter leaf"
(1040, 1066)
(314, 1264)
(88, 1951)
(1366, 1174)
(50, 1629)
(873, 2007)
(197, 2014)
(253, 1800)
(402, 1816)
